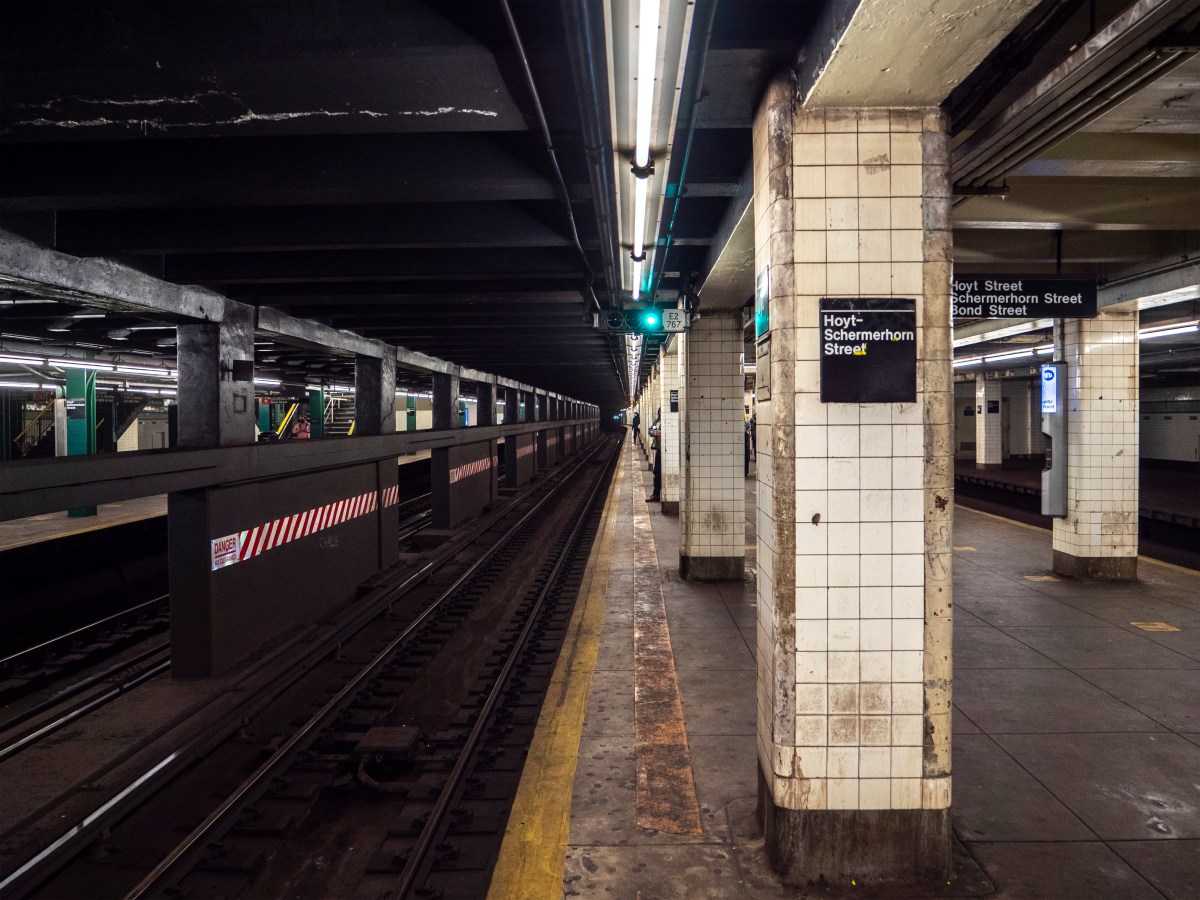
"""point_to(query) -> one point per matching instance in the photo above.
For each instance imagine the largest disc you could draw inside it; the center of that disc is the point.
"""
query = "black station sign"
(868, 350)
(1021, 297)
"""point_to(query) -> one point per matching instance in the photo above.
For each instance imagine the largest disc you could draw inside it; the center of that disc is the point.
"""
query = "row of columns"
(1098, 537)
(695, 393)
(217, 408)
(855, 500)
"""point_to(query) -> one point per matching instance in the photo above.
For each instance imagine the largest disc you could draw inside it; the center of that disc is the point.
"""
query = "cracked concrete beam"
(29, 268)
(313, 335)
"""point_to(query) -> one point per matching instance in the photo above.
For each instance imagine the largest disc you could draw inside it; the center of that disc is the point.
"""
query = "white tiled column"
(713, 525)
(1099, 536)
(669, 381)
(1024, 417)
(989, 436)
(680, 346)
(855, 503)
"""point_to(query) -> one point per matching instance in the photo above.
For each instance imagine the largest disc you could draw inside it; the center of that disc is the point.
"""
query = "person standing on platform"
(655, 431)
(637, 424)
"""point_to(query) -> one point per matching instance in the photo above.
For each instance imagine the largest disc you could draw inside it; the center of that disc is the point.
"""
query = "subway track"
(1165, 541)
(361, 739)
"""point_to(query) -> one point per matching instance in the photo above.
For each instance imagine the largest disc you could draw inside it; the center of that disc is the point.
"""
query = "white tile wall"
(989, 435)
(1102, 435)
(860, 633)
(713, 524)
(669, 381)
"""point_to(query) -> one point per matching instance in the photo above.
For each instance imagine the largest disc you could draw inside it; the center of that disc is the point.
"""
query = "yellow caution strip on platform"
(533, 854)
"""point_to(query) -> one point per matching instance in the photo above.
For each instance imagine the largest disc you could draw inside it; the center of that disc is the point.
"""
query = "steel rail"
(429, 830)
(100, 623)
(74, 690)
(82, 709)
(282, 755)
(52, 857)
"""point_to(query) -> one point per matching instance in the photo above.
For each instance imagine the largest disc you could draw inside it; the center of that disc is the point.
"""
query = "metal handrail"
(26, 445)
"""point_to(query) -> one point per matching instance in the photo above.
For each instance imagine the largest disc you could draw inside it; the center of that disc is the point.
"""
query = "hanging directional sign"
(868, 350)
(1023, 297)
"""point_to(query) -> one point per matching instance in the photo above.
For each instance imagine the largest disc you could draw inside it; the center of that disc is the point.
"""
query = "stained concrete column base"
(1099, 568)
(712, 568)
(894, 849)
(670, 507)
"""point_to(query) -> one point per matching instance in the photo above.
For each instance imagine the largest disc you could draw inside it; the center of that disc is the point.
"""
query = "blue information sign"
(1049, 389)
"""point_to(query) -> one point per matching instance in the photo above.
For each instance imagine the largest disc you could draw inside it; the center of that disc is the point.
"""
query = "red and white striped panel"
(474, 467)
(270, 535)
(261, 538)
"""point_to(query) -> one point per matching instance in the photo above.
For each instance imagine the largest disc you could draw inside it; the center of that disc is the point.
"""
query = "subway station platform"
(51, 526)
(1076, 736)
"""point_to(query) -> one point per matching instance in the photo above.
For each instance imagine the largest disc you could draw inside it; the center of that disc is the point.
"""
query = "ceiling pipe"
(706, 20)
(549, 142)
(584, 21)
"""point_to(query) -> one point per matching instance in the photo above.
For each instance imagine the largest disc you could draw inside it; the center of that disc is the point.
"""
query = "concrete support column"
(712, 528)
(1099, 536)
(215, 410)
(81, 422)
(989, 433)
(1023, 419)
(512, 400)
(680, 345)
(374, 395)
(669, 378)
(445, 402)
(316, 413)
(854, 502)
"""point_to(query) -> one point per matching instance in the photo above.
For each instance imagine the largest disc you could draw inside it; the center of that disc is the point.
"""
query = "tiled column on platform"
(680, 347)
(669, 380)
(855, 502)
(1099, 536)
(712, 528)
(1024, 418)
(989, 435)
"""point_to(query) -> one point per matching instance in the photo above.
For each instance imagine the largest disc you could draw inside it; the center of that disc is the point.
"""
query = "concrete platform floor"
(48, 527)
(1077, 733)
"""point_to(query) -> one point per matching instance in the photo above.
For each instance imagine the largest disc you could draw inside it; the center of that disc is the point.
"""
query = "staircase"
(339, 416)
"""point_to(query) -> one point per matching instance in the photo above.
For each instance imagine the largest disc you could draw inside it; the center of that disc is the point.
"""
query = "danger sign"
(226, 550)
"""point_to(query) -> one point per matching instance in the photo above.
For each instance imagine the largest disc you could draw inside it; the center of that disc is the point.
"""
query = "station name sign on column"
(1021, 297)
(868, 350)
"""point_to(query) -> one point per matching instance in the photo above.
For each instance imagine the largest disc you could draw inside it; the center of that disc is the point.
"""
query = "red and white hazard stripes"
(261, 538)
(474, 467)
(524, 449)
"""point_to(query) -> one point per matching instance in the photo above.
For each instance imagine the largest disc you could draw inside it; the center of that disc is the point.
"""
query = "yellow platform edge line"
(1146, 559)
(533, 854)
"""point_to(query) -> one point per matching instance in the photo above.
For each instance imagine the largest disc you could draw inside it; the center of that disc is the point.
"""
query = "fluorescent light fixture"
(23, 360)
(82, 364)
(1016, 354)
(647, 59)
(967, 361)
(640, 188)
(1149, 334)
(25, 385)
(1044, 349)
(637, 280)
(144, 371)
(268, 382)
